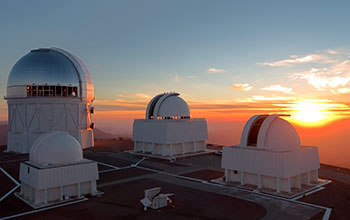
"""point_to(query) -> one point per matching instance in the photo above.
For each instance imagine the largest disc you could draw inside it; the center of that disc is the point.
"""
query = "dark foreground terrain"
(195, 197)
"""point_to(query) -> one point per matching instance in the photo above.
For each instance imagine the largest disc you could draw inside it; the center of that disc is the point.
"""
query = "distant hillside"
(3, 134)
(99, 134)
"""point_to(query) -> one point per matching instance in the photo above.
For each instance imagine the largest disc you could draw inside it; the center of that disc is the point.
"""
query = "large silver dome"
(49, 67)
(43, 66)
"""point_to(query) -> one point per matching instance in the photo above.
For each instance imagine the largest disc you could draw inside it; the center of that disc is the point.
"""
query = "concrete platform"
(295, 194)
(172, 158)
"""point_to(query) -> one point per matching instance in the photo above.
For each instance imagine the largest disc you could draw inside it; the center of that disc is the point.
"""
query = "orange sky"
(225, 121)
(331, 133)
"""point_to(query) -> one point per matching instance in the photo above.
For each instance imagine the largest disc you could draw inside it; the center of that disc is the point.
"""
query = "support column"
(163, 150)
(92, 187)
(171, 149)
(316, 173)
(46, 196)
(153, 148)
(31, 194)
(259, 181)
(289, 188)
(278, 185)
(135, 146)
(226, 175)
(194, 147)
(143, 146)
(242, 178)
(308, 177)
(299, 182)
(183, 148)
(22, 189)
(61, 193)
(78, 189)
(25, 147)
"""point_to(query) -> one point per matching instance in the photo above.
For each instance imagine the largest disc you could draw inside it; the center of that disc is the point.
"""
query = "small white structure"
(270, 156)
(155, 199)
(49, 89)
(168, 129)
(56, 171)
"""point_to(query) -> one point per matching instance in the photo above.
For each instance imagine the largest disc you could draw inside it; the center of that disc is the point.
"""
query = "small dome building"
(56, 148)
(56, 171)
(270, 156)
(49, 89)
(168, 129)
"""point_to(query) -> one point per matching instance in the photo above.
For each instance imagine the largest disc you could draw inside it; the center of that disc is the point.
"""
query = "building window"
(64, 91)
(46, 91)
(52, 91)
(28, 170)
(58, 91)
(40, 91)
(235, 171)
(29, 89)
(172, 117)
(75, 92)
(69, 91)
(34, 90)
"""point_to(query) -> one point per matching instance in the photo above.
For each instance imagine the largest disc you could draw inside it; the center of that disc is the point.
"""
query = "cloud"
(142, 96)
(297, 60)
(333, 52)
(334, 78)
(344, 90)
(133, 97)
(278, 88)
(214, 70)
(177, 78)
(241, 87)
(273, 98)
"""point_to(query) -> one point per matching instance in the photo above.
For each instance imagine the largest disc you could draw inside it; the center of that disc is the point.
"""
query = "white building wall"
(268, 182)
(270, 163)
(44, 185)
(188, 147)
(275, 169)
(169, 131)
(29, 118)
(250, 178)
(169, 149)
(57, 176)
(283, 184)
(170, 137)
(314, 176)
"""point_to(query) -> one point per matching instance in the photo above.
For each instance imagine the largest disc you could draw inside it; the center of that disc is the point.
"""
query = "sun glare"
(308, 112)
(313, 113)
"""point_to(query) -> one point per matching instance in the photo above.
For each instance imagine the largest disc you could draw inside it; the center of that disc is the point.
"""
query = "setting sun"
(314, 112)
(309, 112)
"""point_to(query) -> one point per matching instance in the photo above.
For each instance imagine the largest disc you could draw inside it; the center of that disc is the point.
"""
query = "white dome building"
(270, 156)
(166, 106)
(56, 171)
(56, 148)
(168, 129)
(49, 89)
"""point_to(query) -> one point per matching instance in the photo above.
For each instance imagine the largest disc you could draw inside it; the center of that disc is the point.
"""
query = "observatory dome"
(49, 67)
(167, 106)
(56, 148)
(270, 132)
